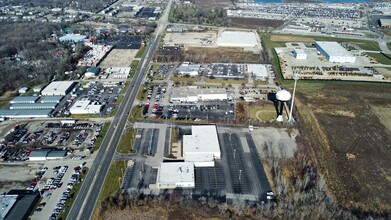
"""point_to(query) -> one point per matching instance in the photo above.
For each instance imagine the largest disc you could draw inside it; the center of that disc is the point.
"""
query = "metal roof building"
(190, 69)
(16, 113)
(202, 147)
(24, 99)
(176, 174)
(6, 203)
(58, 88)
(25, 203)
(27, 106)
(56, 154)
(299, 54)
(38, 88)
(334, 52)
(51, 99)
(258, 70)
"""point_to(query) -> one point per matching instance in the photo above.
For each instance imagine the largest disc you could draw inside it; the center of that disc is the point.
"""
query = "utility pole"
(290, 119)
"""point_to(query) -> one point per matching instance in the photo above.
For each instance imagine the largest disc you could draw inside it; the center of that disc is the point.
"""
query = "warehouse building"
(202, 147)
(176, 174)
(189, 69)
(259, 71)
(385, 23)
(334, 52)
(23, 113)
(32, 106)
(24, 99)
(58, 88)
(237, 39)
(299, 54)
(51, 99)
(84, 107)
(119, 72)
(192, 94)
(47, 154)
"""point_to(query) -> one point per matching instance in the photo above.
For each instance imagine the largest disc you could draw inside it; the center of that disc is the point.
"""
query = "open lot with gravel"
(118, 58)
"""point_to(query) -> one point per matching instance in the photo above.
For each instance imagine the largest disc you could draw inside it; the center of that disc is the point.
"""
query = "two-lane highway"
(86, 199)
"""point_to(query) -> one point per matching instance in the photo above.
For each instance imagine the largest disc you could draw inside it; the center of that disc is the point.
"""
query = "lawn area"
(112, 183)
(142, 93)
(384, 112)
(72, 197)
(101, 136)
(125, 145)
(4, 101)
(134, 66)
(174, 137)
(135, 113)
(262, 111)
(381, 58)
(226, 81)
(140, 52)
(83, 116)
(185, 79)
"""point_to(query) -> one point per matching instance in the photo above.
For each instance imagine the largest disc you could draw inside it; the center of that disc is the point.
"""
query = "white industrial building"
(334, 52)
(193, 94)
(47, 154)
(202, 147)
(259, 71)
(299, 54)
(189, 69)
(176, 174)
(23, 90)
(119, 72)
(237, 39)
(84, 107)
(58, 88)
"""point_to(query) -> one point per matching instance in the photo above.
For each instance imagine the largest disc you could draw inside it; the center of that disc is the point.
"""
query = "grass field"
(125, 145)
(254, 23)
(74, 191)
(134, 65)
(342, 122)
(140, 52)
(135, 113)
(102, 135)
(112, 184)
(185, 79)
(226, 81)
(381, 58)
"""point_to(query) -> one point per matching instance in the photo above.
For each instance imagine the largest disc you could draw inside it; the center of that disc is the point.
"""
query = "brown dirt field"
(119, 58)
(286, 38)
(221, 54)
(254, 23)
(350, 142)
(213, 3)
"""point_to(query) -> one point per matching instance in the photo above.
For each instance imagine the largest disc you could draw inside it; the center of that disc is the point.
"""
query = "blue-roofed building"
(24, 99)
(28, 106)
(51, 99)
(23, 113)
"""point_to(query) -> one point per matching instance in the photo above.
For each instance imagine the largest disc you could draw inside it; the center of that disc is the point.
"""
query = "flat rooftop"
(258, 70)
(176, 172)
(333, 49)
(237, 38)
(57, 86)
(203, 139)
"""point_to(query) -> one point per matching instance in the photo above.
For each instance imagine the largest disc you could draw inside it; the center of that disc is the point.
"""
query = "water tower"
(282, 97)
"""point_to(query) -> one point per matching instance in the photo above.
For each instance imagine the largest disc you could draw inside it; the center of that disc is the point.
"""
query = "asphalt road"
(87, 197)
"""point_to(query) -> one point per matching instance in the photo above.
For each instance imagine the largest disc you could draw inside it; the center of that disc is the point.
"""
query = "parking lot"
(124, 41)
(240, 170)
(56, 187)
